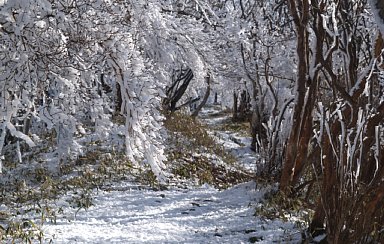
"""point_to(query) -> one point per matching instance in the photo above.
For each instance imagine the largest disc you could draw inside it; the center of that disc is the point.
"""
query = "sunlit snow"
(126, 213)
(131, 213)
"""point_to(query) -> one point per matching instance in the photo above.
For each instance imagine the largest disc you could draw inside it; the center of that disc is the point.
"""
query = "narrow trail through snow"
(128, 213)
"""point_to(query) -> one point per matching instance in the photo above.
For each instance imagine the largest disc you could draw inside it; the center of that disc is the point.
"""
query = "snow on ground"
(239, 147)
(234, 142)
(129, 213)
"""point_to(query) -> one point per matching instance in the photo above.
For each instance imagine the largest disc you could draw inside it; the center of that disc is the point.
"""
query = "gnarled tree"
(338, 118)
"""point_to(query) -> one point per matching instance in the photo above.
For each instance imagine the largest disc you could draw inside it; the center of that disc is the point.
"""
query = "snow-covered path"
(127, 214)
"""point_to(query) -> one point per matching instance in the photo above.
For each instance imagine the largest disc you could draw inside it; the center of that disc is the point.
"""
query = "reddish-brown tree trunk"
(301, 125)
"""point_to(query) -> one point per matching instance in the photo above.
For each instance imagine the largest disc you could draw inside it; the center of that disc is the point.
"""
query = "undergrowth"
(33, 191)
(29, 191)
(242, 128)
(195, 155)
(276, 205)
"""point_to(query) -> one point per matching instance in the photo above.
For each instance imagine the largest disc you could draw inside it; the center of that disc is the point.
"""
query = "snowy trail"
(129, 213)
(126, 214)
(233, 142)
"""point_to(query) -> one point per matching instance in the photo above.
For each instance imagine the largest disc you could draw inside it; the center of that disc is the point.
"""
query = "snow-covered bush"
(59, 63)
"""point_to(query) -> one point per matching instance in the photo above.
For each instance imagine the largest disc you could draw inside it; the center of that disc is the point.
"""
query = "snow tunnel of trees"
(307, 75)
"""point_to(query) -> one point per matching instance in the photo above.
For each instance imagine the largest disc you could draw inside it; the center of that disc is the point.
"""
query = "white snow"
(234, 142)
(126, 213)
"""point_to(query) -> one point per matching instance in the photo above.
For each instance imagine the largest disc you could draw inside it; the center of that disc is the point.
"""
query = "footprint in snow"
(195, 204)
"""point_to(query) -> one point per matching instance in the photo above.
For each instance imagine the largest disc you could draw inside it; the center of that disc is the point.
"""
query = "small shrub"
(279, 206)
(24, 231)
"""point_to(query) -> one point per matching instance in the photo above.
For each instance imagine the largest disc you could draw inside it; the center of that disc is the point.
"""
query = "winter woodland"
(307, 76)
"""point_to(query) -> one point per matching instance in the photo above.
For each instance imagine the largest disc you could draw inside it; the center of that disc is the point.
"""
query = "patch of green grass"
(190, 128)
(147, 177)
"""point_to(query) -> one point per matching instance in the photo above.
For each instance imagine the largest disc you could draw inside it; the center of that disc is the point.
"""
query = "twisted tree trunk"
(205, 98)
(301, 130)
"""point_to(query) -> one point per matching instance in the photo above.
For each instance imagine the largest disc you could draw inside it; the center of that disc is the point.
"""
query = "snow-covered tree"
(338, 117)
(59, 59)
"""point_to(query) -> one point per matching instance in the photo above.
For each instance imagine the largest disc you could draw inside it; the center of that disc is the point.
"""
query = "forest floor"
(128, 211)
(125, 213)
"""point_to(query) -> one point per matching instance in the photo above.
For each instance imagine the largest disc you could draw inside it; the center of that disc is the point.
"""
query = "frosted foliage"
(174, 42)
(66, 64)
(140, 100)
(378, 16)
(52, 59)
(250, 44)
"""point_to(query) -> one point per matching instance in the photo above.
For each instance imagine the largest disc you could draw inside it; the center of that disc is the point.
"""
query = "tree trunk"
(205, 99)
(215, 101)
(244, 106)
(118, 99)
(235, 107)
(301, 130)
(177, 89)
(255, 129)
